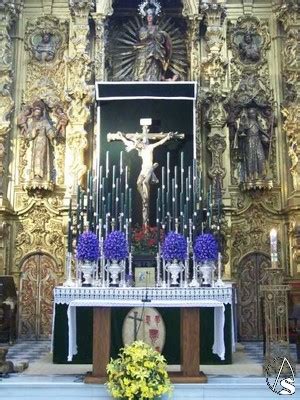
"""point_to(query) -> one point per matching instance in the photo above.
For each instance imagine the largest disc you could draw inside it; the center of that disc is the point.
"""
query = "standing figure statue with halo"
(154, 46)
(148, 48)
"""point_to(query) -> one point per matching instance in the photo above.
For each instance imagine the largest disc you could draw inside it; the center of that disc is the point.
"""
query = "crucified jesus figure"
(140, 142)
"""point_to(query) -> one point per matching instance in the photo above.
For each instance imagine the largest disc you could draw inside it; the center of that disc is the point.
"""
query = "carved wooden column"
(191, 12)
(214, 69)
(8, 14)
(288, 14)
(103, 10)
(79, 94)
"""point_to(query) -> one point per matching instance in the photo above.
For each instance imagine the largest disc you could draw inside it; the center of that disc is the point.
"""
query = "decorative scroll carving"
(249, 40)
(216, 145)
(214, 15)
(40, 230)
(247, 238)
(290, 126)
(81, 8)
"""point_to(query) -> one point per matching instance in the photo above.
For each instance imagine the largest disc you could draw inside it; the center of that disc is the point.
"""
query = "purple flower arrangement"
(206, 248)
(88, 247)
(116, 246)
(174, 247)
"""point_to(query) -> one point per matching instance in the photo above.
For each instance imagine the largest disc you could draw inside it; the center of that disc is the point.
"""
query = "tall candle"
(273, 244)
(70, 228)
(181, 171)
(117, 199)
(121, 163)
(168, 172)
(107, 164)
(173, 201)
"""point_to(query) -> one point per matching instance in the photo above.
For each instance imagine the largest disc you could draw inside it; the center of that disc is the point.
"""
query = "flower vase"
(115, 267)
(87, 269)
(174, 268)
(207, 269)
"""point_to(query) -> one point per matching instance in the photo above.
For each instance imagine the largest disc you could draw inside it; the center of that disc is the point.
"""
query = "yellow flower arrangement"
(138, 373)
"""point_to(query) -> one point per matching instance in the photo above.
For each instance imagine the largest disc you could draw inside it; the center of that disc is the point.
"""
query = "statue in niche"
(253, 143)
(147, 49)
(45, 49)
(39, 134)
(249, 50)
(153, 50)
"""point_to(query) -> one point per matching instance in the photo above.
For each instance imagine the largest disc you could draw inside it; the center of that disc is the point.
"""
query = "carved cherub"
(62, 120)
(22, 119)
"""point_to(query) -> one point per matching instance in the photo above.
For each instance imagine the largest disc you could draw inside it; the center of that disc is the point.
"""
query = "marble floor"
(47, 381)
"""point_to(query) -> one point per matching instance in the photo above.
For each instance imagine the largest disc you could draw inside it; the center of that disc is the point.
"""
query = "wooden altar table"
(190, 337)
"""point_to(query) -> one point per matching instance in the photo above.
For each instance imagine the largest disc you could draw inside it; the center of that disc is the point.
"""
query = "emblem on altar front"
(144, 324)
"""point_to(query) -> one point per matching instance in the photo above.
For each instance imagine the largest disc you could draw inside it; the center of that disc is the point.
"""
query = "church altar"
(72, 319)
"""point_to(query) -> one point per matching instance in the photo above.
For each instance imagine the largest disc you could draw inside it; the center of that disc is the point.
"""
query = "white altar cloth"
(219, 316)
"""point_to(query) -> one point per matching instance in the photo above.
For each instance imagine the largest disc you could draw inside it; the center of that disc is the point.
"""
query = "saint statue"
(254, 143)
(45, 49)
(249, 51)
(153, 50)
(39, 133)
(148, 48)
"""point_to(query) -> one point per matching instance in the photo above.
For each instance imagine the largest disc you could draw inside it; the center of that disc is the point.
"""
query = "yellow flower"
(138, 373)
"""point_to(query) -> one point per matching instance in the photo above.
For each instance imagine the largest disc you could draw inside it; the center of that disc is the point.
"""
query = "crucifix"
(135, 318)
(140, 142)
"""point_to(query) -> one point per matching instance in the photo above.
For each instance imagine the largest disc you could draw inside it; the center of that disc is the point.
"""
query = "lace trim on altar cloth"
(64, 295)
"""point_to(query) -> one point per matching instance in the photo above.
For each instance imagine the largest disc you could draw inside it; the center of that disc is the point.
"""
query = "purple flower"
(206, 248)
(88, 247)
(174, 247)
(115, 246)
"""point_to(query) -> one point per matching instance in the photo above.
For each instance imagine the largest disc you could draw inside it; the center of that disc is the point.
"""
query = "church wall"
(249, 214)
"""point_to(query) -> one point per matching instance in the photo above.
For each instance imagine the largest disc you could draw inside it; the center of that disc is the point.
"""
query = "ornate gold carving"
(249, 40)
(81, 8)
(40, 230)
(216, 145)
(8, 12)
(79, 95)
(214, 15)
(100, 46)
(214, 69)
(46, 79)
(190, 8)
(254, 237)
(291, 128)
(287, 13)
(193, 46)
(294, 241)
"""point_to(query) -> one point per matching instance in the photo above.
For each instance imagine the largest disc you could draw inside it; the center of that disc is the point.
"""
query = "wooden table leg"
(189, 348)
(101, 344)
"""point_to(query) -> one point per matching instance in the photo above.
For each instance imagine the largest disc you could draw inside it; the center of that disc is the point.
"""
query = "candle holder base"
(194, 283)
(69, 283)
(219, 283)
